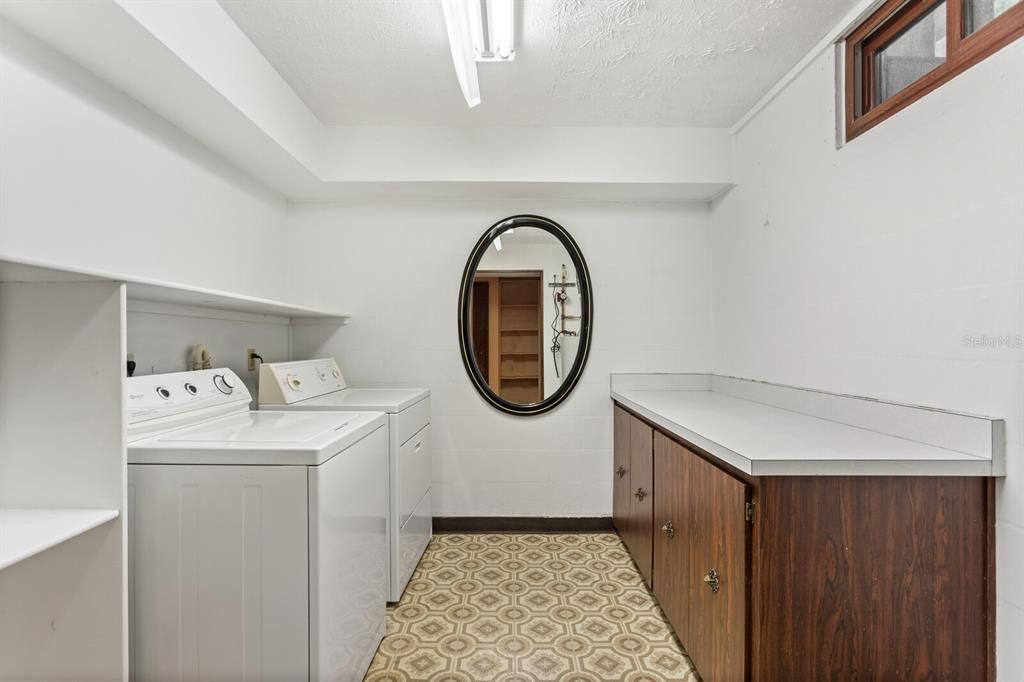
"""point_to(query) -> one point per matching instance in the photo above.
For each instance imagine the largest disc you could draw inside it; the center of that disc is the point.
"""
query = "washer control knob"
(190, 388)
(336, 374)
(222, 384)
(294, 382)
(163, 393)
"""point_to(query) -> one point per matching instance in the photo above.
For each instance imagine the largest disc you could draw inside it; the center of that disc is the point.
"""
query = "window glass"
(914, 52)
(977, 13)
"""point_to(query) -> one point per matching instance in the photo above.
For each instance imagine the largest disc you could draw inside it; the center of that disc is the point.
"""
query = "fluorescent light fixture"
(478, 31)
(456, 18)
(493, 23)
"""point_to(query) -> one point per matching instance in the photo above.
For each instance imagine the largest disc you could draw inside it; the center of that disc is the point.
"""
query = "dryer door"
(414, 473)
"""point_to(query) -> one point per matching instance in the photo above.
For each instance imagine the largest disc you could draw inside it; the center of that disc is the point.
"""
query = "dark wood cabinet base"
(823, 577)
(872, 578)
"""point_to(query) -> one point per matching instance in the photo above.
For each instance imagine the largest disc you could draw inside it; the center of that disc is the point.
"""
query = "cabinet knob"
(621, 471)
(669, 530)
(640, 494)
(711, 579)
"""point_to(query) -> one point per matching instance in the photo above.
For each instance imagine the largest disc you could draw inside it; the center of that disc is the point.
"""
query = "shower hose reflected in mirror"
(560, 297)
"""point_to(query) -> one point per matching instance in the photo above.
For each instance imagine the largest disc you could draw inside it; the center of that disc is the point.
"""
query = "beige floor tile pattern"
(528, 608)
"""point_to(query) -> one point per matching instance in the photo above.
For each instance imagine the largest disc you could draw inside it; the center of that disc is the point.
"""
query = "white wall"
(865, 270)
(526, 154)
(161, 336)
(397, 268)
(90, 178)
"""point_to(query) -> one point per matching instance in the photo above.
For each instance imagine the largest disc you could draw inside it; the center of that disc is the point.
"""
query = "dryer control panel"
(284, 383)
(162, 401)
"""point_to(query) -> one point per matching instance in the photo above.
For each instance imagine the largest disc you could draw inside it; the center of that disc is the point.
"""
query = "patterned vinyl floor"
(528, 608)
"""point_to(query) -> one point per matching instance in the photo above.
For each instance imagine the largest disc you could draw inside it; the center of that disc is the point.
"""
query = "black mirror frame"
(586, 323)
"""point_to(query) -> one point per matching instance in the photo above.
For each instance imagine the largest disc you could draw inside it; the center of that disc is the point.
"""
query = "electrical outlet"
(250, 359)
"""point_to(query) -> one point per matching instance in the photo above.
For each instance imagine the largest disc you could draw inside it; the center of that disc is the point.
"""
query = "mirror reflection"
(525, 309)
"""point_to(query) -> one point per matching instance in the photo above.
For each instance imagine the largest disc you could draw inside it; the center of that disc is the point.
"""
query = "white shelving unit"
(142, 289)
(62, 452)
(27, 532)
(63, 471)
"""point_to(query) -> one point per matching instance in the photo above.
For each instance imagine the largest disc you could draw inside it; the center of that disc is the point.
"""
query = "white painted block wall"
(875, 269)
(396, 267)
(161, 336)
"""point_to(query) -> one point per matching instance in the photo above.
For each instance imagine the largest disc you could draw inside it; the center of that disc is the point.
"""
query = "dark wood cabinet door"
(671, 538)
(620, 474)
(715, 504)
(873, 578)
(641, 483)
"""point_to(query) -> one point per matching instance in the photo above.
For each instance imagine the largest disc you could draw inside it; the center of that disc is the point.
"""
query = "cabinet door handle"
(669, 530)
(711, 579)
(621, 471)
(640, 494)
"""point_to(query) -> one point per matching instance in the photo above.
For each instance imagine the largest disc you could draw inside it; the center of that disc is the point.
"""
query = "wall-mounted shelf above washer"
(141, 289)
(27, 532)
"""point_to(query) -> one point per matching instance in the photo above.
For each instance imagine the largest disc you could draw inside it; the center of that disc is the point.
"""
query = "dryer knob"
(294, 382)
(222, 384)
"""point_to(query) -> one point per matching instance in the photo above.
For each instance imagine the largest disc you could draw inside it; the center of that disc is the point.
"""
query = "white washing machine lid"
(391, 400)
(259, 438)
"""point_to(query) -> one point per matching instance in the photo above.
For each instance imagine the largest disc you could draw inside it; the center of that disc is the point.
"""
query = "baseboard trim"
(522, 524)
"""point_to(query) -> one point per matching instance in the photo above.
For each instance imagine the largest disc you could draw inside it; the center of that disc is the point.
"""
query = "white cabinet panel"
(414, 473)
(208, 543)
(413, 539)
(348, 559)
(411, 420)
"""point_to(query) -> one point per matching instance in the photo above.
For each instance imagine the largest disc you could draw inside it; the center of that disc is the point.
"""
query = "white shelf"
(140, 289)
(27, 532)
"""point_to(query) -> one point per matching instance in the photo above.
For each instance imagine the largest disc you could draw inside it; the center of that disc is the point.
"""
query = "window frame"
(887, 22)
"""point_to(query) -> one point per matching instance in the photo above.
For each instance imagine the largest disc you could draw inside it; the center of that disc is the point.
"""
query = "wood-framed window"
(907, 48)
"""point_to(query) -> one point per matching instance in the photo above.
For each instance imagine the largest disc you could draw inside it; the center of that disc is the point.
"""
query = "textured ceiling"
(578, 62)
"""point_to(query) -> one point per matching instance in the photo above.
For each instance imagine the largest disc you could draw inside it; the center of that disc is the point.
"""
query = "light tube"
(478, 31)
(493, 24)
(456, 19)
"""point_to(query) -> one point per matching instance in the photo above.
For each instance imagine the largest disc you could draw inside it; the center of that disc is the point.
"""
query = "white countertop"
(761, 440)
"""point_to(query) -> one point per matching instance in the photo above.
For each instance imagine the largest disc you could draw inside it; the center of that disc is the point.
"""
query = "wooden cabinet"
(717, 577)
(620, 477)
(672, 534)
(641, 499)
(818, 577)
(507, 322)
(633, 511)
(700, 557)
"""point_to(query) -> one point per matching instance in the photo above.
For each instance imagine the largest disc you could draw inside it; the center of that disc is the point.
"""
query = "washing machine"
(257, 541)
(319, 385)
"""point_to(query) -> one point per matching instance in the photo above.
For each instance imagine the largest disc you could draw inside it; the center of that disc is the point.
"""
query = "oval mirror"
(525, 314)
